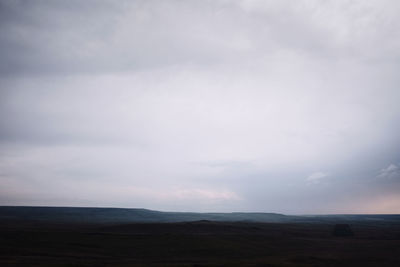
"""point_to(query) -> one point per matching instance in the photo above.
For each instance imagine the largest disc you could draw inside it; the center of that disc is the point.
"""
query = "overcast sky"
(215, 105)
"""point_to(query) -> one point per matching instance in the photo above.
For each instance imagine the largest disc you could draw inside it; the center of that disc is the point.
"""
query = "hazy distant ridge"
(73, 214)
(122, 215)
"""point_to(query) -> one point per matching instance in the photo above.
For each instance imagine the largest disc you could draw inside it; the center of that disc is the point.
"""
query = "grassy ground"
(197, 244)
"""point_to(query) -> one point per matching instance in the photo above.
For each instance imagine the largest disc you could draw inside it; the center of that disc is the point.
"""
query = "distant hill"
(120, 215)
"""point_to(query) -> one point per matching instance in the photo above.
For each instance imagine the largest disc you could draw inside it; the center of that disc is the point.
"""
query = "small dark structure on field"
(342, 230)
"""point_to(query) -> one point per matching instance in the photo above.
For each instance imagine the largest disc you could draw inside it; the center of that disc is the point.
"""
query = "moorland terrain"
(51, 236)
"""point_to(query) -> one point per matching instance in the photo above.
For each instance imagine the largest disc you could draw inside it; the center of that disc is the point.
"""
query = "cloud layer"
(201, 105)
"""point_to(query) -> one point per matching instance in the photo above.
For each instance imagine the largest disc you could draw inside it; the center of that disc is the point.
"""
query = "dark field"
(210, 243)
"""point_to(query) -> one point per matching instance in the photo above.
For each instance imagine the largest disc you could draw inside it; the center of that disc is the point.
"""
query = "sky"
(215, 105)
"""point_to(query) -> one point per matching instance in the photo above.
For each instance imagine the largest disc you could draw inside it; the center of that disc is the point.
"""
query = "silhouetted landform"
(37, 236)
(109, 215)
(342, 229)
(118, 215)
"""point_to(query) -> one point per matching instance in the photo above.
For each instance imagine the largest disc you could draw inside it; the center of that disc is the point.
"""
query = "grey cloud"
(390, 172)
(198, 104)
(103, 36)
(316, 177)
(56, 37)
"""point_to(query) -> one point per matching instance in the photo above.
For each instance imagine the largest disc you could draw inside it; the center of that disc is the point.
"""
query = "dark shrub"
(342, 230)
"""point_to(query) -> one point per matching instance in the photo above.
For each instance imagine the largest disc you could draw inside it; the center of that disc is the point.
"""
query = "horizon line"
(199, 212)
